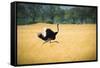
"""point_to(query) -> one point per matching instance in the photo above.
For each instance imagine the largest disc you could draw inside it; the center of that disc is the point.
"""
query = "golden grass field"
(77, 42)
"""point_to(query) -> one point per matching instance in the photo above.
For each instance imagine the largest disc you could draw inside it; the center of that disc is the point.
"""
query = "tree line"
(36, 13)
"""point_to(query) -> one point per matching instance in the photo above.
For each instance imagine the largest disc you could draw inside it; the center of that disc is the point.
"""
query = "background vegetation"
(34, 13)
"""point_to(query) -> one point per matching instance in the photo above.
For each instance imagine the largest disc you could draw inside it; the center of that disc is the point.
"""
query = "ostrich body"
(49, 34)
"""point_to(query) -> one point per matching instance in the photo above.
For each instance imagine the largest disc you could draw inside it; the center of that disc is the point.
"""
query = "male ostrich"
(49, 34)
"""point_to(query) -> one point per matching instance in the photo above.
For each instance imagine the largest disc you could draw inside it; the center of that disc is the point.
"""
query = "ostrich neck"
(57, 27)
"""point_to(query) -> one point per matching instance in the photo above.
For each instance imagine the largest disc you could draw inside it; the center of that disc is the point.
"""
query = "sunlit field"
(76, 42)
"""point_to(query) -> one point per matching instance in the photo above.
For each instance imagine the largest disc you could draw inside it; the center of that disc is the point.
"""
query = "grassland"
(77, 42)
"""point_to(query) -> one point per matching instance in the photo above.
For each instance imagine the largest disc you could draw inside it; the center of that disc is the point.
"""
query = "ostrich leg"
(45, 41)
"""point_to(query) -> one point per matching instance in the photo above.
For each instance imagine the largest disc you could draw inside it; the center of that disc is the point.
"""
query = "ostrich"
(48, 34)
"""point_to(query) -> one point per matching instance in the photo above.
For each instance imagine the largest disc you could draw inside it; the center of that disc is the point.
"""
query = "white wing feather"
(44, 32)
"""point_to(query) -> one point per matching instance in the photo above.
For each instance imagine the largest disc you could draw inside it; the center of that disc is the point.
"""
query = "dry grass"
(76, 43)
